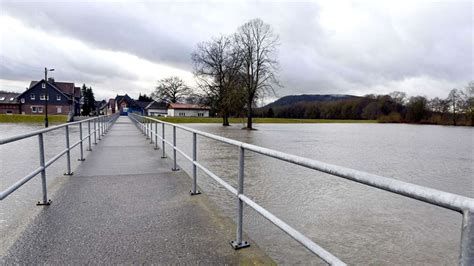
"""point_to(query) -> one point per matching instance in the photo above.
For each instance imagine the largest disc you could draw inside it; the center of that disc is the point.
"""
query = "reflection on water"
(359, 224)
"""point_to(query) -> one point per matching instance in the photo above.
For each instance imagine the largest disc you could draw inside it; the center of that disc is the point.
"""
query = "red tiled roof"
(187, 106)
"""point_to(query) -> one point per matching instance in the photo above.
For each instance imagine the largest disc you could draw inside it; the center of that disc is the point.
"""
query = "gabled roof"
(157, 105)
(9, 97)
(143, 104)
(187, 106)
(36, 83)
(130, 102)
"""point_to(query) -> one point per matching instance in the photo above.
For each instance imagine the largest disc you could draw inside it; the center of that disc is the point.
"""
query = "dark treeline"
(456, 109)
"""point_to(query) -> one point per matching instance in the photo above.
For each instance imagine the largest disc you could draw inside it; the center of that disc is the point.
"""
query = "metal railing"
(100, 124)
(461, 204)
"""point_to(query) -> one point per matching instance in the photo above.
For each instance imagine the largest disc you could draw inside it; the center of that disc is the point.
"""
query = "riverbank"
(32, 118)
(259, 120)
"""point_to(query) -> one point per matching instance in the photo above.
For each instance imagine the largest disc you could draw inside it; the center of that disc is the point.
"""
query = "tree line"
(456, 109)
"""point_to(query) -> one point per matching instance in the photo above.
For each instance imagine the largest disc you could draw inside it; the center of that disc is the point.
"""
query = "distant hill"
(293, 99)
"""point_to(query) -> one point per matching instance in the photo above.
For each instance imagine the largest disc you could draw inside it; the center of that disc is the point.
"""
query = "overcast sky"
(420, 47)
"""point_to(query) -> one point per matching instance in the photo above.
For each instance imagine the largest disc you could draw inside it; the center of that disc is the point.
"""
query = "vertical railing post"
(147, 130)
(156, 135)
(89, 134)
(43, 172)
(80, 143)
(151, 131)
(95, 131)
(175, 166)
(467, 239)
(239, 243)
(163, 154)
(194, 190)
(99, 126)
(68, 153)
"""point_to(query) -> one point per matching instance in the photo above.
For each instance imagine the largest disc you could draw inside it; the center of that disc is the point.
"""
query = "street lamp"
(46, 95)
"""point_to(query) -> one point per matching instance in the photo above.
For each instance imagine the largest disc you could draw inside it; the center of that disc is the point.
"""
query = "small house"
(155, 108)
(188, 110)
(9, 103)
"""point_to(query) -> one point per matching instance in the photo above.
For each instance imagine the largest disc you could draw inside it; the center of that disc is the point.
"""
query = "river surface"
(359, 224)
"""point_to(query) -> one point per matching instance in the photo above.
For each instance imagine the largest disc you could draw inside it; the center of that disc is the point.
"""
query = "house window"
(9, 112)
(40, 109)
(34, 109)
(12, 98)
(42, 97)
(2, 98)
(43, 85)
(182, 114)
(22, 100)
(58, 97)
(59, 109)
(32, 96)
(200, 115)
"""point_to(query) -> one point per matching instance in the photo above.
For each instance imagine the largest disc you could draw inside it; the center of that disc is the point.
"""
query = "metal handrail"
(458, 203)
(101, 125)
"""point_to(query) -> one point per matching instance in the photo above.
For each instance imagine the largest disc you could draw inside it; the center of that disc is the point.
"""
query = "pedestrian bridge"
(129, 203)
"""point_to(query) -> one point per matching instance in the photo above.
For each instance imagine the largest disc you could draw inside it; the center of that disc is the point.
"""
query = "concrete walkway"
(124, 205)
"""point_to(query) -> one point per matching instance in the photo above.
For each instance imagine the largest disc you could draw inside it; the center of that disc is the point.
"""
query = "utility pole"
(46, 95)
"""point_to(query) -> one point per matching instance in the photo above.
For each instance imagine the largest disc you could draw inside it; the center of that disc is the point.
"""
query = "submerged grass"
(259, 120)
(32, 118)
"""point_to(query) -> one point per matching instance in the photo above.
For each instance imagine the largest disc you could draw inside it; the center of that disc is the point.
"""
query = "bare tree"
(455, 98)
(171, 89)
(468, 103)
(216, 67)
(398, 97)
(257, 43)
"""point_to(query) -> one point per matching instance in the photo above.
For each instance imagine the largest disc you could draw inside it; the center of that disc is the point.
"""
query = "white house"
(188, 110)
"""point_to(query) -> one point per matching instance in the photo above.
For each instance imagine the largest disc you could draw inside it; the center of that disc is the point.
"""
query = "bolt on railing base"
(194, 193)
(236, 246)
(44, 203)
(71, 173)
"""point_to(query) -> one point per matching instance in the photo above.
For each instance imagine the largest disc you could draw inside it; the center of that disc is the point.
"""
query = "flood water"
(359, 224)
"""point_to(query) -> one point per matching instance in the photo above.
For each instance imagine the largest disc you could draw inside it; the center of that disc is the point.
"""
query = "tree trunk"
(225, 119)
(249, 117)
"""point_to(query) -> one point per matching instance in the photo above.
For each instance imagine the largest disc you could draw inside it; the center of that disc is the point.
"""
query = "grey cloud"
(435, 40)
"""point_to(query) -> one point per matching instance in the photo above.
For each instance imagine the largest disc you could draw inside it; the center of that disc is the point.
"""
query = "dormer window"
(2, 98)
(32, 96)
(43, 85)
(12, 98)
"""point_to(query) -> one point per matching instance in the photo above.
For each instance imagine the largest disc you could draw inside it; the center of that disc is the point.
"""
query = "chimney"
(51, 80)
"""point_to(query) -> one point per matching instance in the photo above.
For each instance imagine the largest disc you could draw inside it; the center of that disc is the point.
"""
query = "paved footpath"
(124, 205)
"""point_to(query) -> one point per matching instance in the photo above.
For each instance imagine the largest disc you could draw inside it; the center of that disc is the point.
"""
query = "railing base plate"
(71, 173)
(81, 159)
(44, 204)
(174, 169)
(163, 157)
(156, 148)
(236, 246)
(194, 193)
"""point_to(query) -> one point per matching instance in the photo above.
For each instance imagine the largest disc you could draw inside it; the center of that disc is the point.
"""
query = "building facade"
(188, 110)
(61, 98)
(9, 103)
